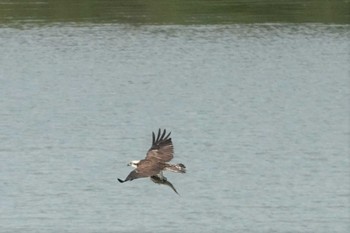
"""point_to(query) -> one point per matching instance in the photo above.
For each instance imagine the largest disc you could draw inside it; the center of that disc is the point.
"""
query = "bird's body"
(161, 152)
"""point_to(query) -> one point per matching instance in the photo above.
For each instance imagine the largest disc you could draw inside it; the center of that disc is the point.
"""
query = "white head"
(134, 163)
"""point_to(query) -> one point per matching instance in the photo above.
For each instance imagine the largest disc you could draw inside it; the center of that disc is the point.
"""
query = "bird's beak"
(128, 164)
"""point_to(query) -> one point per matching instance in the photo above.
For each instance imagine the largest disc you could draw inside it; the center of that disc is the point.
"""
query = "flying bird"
(156, 161)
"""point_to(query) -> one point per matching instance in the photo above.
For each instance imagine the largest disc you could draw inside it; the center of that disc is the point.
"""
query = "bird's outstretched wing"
(132, 175)
(162, 147)
(162, 180)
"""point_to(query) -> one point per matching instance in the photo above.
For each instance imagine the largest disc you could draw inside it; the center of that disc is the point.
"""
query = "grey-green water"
(259, 114)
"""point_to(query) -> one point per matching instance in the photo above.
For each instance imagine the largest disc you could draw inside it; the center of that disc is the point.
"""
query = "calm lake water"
(259, 114)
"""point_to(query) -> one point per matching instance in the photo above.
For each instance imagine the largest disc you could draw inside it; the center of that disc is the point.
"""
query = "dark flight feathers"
(162, 148)
(163, 180)
(161, 151)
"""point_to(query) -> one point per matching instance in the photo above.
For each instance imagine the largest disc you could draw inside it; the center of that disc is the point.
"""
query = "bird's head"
(134, 163)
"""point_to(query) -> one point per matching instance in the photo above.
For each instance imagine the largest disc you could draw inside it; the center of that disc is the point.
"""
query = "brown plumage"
(161, 152)
(163, 180)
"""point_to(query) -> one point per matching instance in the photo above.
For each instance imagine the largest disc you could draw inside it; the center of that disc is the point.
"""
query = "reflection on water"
(174, 12)
(258, 114)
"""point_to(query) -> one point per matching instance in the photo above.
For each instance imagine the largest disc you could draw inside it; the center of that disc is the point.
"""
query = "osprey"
(161, 152)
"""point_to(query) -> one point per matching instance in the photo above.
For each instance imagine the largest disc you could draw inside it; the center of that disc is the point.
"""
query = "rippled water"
(258, 113)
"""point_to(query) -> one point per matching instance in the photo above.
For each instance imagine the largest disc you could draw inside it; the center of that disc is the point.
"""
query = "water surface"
(259, 114)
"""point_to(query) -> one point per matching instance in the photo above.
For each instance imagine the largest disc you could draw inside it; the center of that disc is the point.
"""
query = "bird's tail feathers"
(178, 168)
